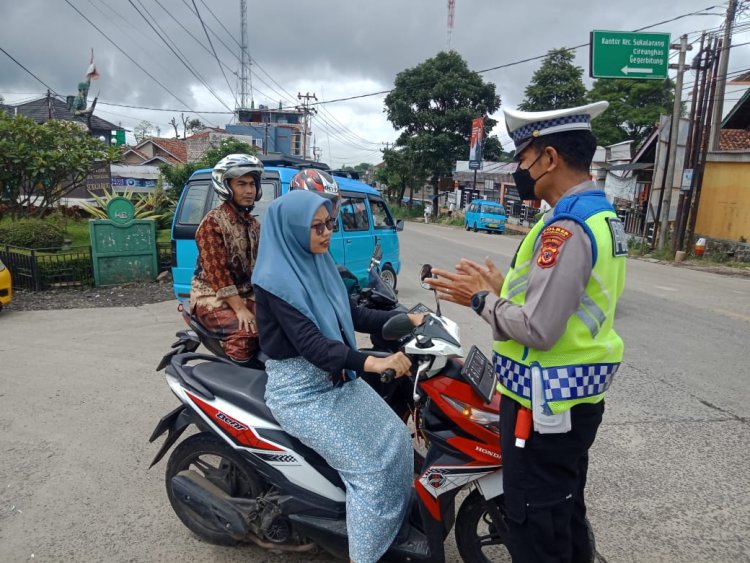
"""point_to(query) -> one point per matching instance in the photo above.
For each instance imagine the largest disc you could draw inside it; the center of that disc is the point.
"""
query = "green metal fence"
(43, 269)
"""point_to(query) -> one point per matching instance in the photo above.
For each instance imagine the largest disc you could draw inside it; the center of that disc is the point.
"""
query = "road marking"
(665, 288)
(733, 314)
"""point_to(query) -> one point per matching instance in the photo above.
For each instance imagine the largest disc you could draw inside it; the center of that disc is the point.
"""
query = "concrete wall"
(724, 210)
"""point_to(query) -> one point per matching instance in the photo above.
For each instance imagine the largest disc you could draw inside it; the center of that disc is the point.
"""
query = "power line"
(27, 70)
(116, 46)
(174, 50)
(214, 51)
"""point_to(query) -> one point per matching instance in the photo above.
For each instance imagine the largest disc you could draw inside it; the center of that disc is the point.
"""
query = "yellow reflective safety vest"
(580, 366)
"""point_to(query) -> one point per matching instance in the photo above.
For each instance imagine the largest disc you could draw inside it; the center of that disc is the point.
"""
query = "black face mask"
(525, 183)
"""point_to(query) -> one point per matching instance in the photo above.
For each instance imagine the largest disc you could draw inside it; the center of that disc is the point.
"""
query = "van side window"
(354, 214)
(380, 217)
(193, 204)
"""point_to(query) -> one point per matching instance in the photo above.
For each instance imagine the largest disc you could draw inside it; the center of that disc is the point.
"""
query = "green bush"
(73, 270)
(31, 233)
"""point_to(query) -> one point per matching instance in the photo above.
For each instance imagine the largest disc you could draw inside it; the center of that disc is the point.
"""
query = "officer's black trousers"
(544, 485)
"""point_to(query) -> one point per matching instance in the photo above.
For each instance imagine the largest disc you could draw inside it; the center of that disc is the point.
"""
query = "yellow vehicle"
(6, 287)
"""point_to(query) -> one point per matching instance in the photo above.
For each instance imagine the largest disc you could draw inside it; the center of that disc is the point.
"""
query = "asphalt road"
(668, 479)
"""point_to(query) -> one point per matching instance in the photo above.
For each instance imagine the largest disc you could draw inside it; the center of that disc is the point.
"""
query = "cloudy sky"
(332, 48)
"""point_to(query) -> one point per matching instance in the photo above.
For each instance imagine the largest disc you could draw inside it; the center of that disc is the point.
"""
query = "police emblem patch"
(553, 238)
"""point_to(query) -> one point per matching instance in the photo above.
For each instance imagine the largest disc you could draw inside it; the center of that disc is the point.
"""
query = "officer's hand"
(489, 272)
(457, 287)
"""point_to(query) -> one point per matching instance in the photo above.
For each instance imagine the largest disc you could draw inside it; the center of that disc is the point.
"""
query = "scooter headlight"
(487, 419)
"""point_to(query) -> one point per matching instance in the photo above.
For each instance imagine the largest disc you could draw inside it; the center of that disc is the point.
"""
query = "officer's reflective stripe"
(519, 288)
(603, 289)
(560, 383)
(588, 320)
(517, 281)
(577, 382)
(591, 315)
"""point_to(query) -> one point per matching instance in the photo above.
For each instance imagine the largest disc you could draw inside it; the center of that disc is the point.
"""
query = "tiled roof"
(39, 111)
(734, 140)
(174, 147)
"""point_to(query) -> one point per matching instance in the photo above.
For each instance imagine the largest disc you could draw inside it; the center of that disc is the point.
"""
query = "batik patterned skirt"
(358, 434)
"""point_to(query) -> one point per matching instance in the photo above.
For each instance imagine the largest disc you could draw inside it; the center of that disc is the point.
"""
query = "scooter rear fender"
(175, 424)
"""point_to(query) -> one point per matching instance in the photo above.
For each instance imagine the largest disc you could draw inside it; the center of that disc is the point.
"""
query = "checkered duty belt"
(561, 383)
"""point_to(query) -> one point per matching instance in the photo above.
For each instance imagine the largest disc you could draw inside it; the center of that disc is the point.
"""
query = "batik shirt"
(227, 242)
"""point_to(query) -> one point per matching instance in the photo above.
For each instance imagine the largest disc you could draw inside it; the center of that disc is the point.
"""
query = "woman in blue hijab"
(306, 323)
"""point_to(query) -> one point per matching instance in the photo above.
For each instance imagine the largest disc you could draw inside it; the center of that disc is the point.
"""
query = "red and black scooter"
(243, 479)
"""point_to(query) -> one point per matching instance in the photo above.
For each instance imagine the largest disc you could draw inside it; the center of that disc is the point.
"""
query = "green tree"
(634, 108)
(557, 84)
(400, 171)
(176, 176)
(433, 105)
(41, 164)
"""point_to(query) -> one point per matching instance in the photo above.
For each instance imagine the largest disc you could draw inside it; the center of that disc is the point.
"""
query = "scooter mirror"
(377, 254)
(424, 274)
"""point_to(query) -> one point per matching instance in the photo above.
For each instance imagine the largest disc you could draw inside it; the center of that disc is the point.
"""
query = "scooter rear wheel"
(480, 536)
(208, 455)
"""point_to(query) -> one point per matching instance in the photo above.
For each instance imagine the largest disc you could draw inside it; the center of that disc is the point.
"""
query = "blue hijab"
(286, 268)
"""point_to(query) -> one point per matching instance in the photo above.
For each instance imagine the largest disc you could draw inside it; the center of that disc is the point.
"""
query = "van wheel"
(475, 228)
(466, 226)
(388, 275)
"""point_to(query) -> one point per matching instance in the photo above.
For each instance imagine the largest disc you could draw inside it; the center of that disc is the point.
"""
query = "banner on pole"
(476, 143)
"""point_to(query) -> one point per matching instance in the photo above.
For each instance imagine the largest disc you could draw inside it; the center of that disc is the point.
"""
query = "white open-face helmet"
(234, 166)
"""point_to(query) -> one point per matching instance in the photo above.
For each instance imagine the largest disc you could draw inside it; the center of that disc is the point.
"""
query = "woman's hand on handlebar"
(416, 318)
(398, 362)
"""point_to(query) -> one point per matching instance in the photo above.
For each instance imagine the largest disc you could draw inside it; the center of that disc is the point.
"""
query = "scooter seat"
(244, 387)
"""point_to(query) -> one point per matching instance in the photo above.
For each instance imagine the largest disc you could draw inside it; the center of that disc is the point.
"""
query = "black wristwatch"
(477, 301)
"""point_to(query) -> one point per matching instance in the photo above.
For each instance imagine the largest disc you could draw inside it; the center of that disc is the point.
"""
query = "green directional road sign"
(623, 54)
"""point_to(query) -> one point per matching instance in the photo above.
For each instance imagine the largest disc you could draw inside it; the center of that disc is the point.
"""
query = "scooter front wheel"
(480, 533)
(207, 455)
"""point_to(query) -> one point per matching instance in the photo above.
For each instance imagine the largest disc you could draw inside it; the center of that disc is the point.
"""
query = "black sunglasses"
(329, 224)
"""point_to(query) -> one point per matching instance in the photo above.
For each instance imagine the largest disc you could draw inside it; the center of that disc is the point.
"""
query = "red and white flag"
(92, 73)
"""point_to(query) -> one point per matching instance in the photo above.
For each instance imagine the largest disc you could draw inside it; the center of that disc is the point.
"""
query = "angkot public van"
(484, 215)
(364, 219)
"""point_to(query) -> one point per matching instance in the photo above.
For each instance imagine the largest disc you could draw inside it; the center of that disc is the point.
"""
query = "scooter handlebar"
(388, 375)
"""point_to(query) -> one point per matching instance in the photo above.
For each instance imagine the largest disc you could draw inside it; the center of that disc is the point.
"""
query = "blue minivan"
(482, 215)
(364, 219)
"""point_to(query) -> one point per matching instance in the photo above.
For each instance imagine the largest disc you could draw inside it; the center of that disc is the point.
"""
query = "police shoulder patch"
(619, 238)
(553, 237)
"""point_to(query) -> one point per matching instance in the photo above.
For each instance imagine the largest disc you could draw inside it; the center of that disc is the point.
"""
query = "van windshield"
(493, 210)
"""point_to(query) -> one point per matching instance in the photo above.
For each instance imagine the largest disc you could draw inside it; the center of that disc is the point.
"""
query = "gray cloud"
(334, 48)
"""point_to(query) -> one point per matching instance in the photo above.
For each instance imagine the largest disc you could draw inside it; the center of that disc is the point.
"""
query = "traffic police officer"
(555, 350)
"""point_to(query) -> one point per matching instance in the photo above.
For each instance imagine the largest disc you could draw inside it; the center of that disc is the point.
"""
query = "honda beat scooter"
(243, 479)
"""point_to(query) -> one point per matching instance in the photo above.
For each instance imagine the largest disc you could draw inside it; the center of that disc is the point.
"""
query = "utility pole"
(673, 140)
(721, 79)
(306, 110)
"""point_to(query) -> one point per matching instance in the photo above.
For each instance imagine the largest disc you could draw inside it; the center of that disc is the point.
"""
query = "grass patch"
(77, 230)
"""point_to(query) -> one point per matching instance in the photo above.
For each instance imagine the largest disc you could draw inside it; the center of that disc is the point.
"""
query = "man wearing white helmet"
(221, 293)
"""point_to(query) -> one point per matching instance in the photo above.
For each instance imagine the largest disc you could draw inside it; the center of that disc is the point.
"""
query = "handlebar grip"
(388, 375)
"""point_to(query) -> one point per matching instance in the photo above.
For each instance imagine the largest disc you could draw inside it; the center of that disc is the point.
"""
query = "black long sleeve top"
(286, 333)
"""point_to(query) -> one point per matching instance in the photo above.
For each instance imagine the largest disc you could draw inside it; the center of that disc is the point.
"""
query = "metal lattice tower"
(451, 15)
(244, 58)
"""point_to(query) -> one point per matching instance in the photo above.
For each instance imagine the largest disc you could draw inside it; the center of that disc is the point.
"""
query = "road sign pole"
(673, 136)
